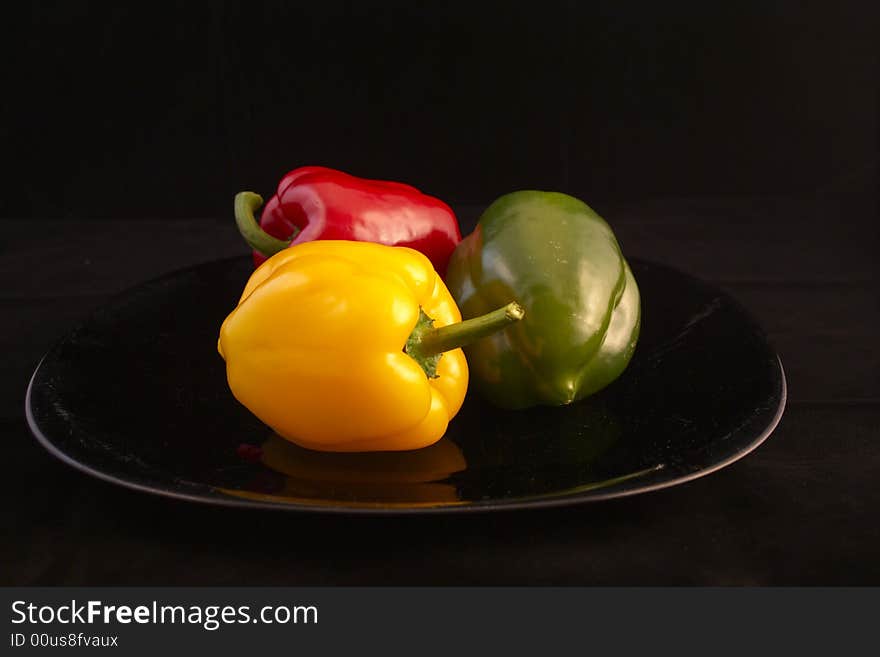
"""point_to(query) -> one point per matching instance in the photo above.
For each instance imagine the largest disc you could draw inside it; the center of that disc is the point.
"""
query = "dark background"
(133, 110)
(738, 143)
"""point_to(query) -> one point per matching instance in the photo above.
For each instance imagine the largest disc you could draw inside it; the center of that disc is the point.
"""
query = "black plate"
(137, 395)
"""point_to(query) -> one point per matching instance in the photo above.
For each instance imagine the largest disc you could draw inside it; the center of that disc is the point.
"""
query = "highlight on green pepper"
(561, 261)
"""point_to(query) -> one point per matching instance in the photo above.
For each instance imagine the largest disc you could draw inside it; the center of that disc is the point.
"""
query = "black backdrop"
(152, 110)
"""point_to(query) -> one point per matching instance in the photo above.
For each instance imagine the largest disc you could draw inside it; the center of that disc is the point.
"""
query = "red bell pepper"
(317, 203)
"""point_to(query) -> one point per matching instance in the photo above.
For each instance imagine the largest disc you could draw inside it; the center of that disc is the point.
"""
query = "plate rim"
(561, 499)
(478, 506)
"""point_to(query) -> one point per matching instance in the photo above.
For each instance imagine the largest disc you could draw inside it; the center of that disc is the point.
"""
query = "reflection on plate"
(137, 395)
(395, 479)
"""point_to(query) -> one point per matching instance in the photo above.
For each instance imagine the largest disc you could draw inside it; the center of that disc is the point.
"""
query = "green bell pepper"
(560, 260)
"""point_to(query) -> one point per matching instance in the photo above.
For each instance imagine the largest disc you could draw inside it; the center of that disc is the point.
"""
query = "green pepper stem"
(246, 203)
(452, 336)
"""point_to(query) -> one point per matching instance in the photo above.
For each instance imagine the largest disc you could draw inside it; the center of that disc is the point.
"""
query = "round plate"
(137, 395)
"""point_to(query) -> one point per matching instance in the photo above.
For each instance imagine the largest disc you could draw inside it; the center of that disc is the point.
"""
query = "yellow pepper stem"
(246, 203)
(430, 340)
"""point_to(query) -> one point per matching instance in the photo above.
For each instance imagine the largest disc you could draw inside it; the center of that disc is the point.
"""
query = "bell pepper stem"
(452, 336)
(246, 203)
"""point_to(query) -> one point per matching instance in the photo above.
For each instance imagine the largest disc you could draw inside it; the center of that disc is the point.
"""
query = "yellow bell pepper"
(351, 346)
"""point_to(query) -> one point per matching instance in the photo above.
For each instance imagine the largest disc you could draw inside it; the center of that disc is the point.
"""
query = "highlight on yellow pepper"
(351, 347)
